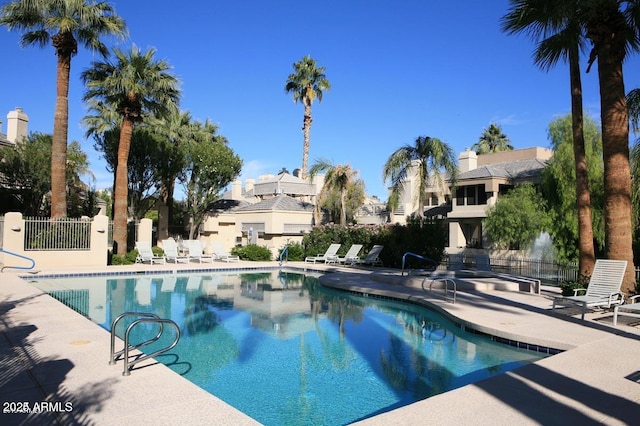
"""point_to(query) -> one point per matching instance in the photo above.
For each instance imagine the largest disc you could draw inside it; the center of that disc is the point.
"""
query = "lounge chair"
(456, 262)
(603, 289)
(483, 262)
(627, 310)
(196, 251)
(351, 256)
(329, 256)
(145, 254)
(220, 253)
(373, 258)
(171, 253)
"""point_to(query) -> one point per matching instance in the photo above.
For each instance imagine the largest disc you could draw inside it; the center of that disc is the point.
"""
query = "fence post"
(100, 238)
(13, 238)
(145, 231)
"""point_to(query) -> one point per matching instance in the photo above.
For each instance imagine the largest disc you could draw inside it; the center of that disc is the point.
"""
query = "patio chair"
(627, 310)
(221, 254)
(603, 289)
(329, 256)
(196, 251)
(483, 262)
(171, 253)
(456, 262)
(351, 256)
(372, 258)
(145, 254)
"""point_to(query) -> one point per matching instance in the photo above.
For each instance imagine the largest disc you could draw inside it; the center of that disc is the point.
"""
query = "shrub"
(252, 252)
(295, 252)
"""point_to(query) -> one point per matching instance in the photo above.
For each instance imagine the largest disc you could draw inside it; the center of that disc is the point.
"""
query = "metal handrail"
(33, 262)
(431, 261)
(128, 365)
(143, 317)
(284, 251)
(446, 282)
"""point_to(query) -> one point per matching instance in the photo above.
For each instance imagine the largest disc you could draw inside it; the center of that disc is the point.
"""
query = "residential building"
(481, 181)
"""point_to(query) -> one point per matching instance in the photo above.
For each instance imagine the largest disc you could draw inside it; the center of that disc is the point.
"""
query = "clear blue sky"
(398, 70)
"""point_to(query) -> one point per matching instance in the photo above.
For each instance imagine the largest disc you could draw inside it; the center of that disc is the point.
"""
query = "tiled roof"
(226, 205)
(514, 170)
(280, 202)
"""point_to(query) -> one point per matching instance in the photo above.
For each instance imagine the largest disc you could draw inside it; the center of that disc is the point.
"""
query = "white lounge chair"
(372, 258)
(483, 262)
(627, 310)
(221, 254)
(351, 255)
(196, 251)
(329, 256)
(145, 254)
(171, 253)
(603, 289)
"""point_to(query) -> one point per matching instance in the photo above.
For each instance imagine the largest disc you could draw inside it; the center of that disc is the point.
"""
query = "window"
(471, 195)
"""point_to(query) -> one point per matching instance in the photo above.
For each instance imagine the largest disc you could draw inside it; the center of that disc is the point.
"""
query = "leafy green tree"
(557, 29)
(211, 166)
(26, 175)
(336, 177)
(136, 85)
(430, 157)
(613, 27)
(64, 23)
(559, 184)
(492, 140)
(307, 83)
(517, 218)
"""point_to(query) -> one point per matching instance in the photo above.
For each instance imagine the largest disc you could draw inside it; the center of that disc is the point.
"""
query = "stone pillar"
(17, 124)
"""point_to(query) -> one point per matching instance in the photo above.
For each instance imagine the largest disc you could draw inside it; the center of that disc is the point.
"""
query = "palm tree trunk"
(583, 195)
(59, 141)
(306, 129)
(343, 206)
(617, 173)
(121, 188)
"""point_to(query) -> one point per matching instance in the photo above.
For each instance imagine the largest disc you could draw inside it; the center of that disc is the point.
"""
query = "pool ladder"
(143, 318)
(449, 287)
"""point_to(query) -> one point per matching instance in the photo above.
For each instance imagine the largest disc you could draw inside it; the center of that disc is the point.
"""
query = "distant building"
(17, 127)
(482, 180)
(270, 212)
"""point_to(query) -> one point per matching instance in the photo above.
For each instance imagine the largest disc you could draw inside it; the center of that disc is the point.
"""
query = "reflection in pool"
(284, 350)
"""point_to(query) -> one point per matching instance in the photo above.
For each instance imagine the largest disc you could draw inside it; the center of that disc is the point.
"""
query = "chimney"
(468, 160)
(17, 122)
(236, 190)
(249, 185)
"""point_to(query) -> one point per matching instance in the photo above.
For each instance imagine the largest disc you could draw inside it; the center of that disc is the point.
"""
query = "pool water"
(286, 351)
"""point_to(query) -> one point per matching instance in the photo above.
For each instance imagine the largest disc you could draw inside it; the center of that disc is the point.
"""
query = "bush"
(295, 252)
(567, 287)
(252, 252)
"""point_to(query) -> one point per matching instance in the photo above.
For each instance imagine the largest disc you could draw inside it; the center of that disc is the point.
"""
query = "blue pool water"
(284, 350)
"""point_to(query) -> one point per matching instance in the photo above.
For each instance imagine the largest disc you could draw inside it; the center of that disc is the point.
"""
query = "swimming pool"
(284, 350)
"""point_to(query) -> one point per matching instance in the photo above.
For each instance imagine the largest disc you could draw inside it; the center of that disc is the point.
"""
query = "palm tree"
(137, 86)
(428, 157)
(64, 23)
(613, 26)
(633, 105)
(336, 177)
(307, 84)
(556, 28)
(492, 140)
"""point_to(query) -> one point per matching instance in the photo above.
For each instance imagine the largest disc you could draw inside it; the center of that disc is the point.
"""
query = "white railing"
(58, 234)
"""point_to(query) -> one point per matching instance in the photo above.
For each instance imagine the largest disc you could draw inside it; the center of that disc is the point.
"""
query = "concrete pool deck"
(49, 353)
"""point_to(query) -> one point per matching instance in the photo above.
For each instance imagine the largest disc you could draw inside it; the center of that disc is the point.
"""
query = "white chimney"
(249, 185)
(236, 190)
(468, 160)
(17, 123)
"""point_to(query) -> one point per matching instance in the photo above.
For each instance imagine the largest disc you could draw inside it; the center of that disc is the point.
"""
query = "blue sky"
(398, 70)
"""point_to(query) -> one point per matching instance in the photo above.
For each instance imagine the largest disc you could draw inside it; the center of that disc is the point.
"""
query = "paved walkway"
(57, 359)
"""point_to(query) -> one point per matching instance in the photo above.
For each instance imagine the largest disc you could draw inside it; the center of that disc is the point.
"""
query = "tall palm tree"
(64, 23)
(492, 140)
(429, 158)
(633, 105)
(137, 86)
(336, 177)
(556, 27)
(613, 26)
(307, 84)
